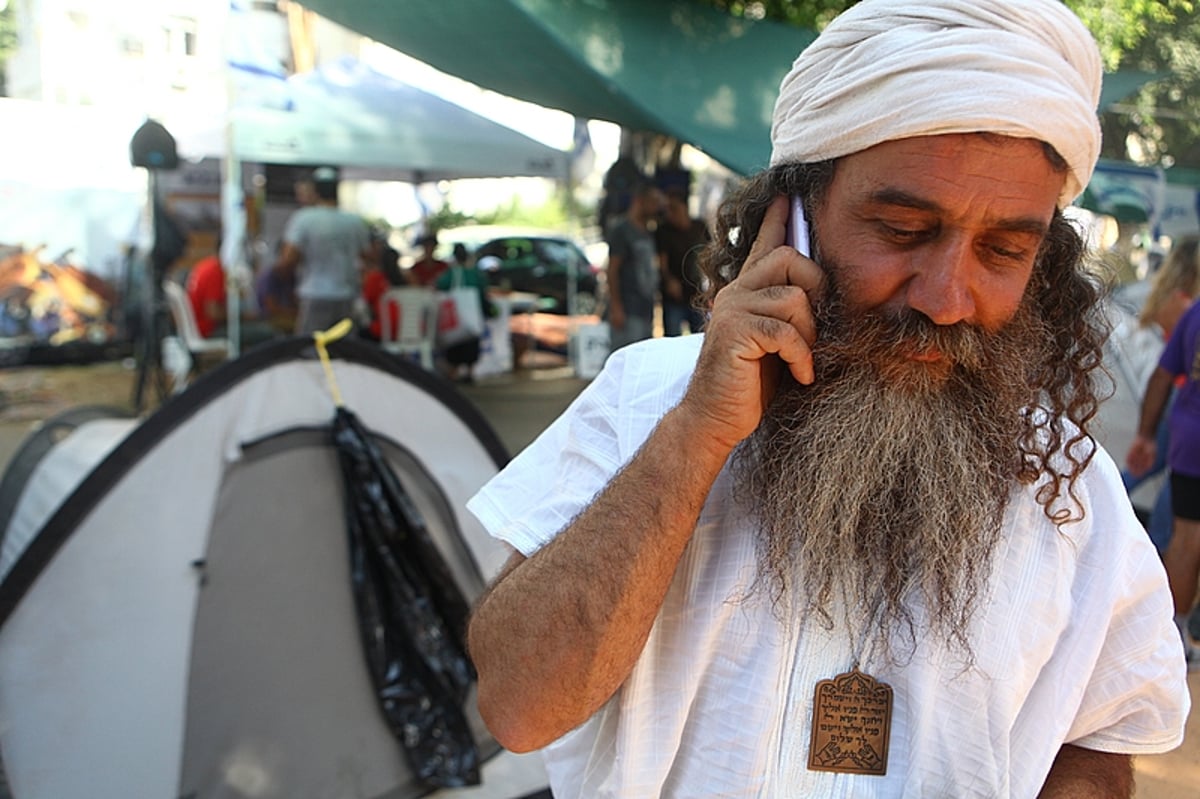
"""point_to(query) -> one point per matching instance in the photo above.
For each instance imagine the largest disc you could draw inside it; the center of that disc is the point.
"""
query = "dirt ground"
(31, 394)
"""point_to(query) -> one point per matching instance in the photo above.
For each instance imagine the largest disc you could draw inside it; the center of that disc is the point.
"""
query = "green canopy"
(1119, 85)
(1166, 199)
(677, 67)
(672, 66)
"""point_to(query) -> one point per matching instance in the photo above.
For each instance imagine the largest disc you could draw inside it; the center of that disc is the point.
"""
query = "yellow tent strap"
(323, 337)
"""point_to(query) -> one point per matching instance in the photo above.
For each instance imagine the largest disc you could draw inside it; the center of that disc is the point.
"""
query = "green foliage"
(447, 217)
(803, 13)
(1121, 25)
(1162, 121)
(8, 42)
(1160, 125)
(554, 214)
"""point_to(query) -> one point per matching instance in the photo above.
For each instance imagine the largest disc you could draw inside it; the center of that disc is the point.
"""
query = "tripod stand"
(153, 324)
(147, 347)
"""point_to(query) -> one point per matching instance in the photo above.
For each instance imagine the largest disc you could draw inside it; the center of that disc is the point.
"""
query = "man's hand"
(673, 288)
(760, 323)
(1079, 773)
(616, 311)
(1144, 448)
(1142, 453)
(616, 316)
(289, 258)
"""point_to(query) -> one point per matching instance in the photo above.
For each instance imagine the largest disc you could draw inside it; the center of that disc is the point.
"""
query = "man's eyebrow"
(904, 199)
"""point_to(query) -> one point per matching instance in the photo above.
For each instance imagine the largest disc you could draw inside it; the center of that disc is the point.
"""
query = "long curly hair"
(1056, 444)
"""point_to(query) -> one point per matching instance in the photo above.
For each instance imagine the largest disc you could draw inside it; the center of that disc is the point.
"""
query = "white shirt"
(1076, 644)
(331, 243)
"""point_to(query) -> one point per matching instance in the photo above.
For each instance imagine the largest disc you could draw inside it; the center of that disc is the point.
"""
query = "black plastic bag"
(412, 616)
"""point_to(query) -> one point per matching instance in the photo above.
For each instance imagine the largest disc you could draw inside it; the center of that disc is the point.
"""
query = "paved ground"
(519, 406)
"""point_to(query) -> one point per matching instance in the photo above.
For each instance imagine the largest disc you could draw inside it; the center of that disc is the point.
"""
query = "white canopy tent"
(370, 126)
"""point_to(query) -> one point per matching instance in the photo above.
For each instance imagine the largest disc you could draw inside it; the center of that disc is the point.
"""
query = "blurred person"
(462, 356)
(1177, 376)
(426, 269)
(621, 180)
(276, 295)
(680, 239)
(323, 248)
(857, 538)
(632, 271)
(1173, 288)
(305, 192)
(206, 289)
(383, 272)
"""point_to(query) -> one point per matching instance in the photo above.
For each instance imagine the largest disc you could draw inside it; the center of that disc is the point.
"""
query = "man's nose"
(940, 287)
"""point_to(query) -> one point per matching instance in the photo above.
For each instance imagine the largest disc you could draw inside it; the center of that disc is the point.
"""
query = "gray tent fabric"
(183, 623)
(278, 580)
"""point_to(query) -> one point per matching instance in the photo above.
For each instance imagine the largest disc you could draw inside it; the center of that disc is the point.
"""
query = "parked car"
(534, 262)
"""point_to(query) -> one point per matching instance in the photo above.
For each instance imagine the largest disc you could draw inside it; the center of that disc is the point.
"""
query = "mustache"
(886, 337)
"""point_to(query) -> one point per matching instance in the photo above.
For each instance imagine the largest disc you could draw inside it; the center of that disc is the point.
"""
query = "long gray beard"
(880, 489)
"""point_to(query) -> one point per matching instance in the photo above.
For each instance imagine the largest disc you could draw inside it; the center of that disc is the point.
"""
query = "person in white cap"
(894, 562)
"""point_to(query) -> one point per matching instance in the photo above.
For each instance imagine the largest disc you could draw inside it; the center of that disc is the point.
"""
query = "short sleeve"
(292, 230)
(1174, 358)
(552, 480)
(618, 242)
(546, 486)
(364, 236)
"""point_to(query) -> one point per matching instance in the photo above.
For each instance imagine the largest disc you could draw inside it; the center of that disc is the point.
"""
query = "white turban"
(894, 69)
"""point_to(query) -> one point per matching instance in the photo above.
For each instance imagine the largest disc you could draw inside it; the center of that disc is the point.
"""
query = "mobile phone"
(797, 228)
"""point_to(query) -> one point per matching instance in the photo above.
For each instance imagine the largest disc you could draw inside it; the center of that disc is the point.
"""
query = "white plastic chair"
(408, 322)
(195, 346)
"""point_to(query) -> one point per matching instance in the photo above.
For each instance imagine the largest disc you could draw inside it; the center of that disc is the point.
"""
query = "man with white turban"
(894, 562)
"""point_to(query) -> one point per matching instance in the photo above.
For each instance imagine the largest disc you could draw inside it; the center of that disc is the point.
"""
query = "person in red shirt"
(206, 294)
(383, 274)
(425, 270)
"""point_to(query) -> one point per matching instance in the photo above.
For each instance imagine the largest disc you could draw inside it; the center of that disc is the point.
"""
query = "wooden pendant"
(851, 725)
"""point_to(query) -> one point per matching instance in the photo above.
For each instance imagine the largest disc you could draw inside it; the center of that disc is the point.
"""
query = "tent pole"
(233, 243)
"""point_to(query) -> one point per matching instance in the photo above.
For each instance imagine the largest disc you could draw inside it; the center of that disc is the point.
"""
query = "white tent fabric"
(373, 127)
(56, 476)
(106, 686)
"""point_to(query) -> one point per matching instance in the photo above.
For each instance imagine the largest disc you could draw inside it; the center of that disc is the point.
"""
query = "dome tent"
(182, 622)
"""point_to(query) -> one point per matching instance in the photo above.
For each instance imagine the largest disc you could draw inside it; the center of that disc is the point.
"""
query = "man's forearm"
(1080, 773)
(289, 259)
(613, 279)
(1158, 390)
(555, 638)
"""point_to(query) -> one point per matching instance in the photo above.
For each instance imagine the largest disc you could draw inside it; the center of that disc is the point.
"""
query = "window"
(181, 36)
(132, 45)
